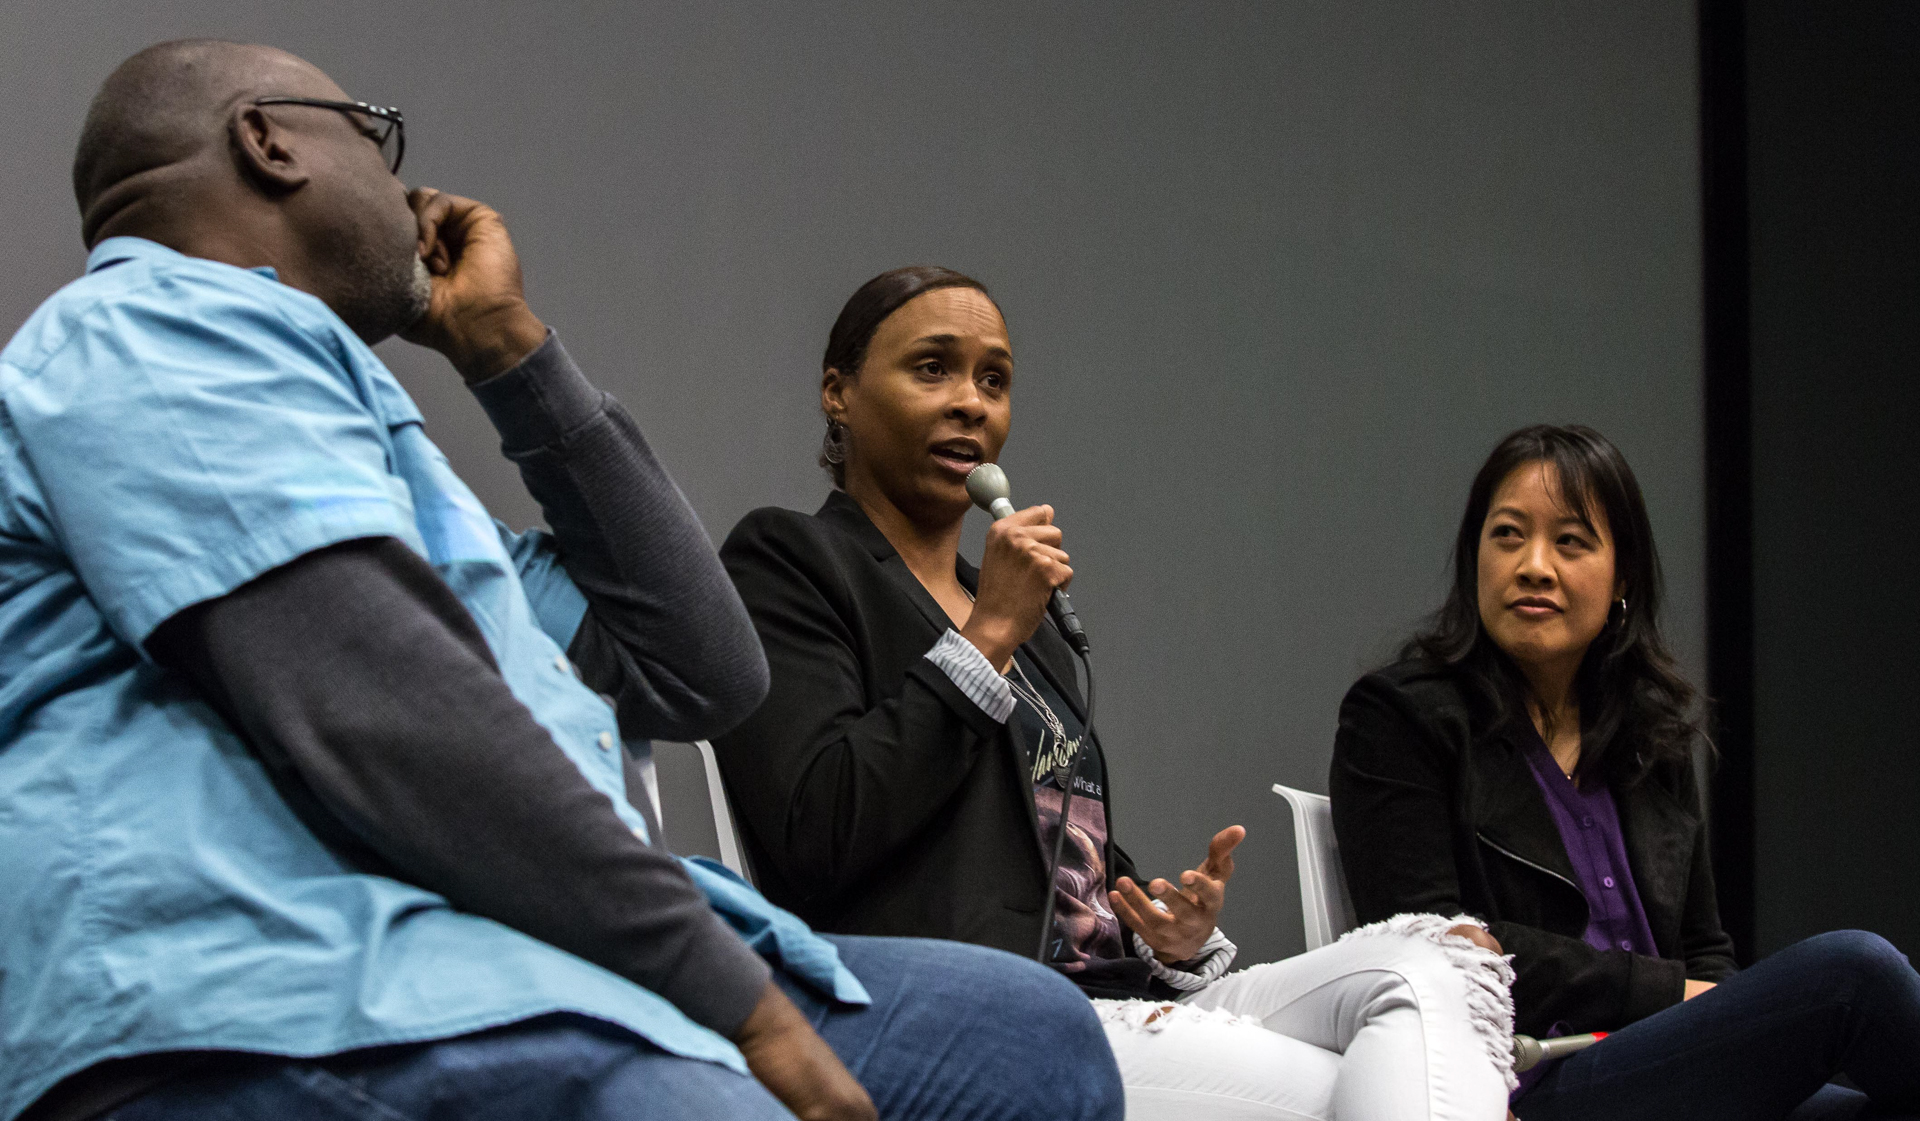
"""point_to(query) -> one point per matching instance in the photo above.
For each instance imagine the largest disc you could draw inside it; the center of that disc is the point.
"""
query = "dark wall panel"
(1834, 159)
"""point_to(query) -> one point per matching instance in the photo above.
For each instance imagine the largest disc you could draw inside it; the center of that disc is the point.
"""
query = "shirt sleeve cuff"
(1203, 969)
(973, 675)
(719, 981)
(537, 403)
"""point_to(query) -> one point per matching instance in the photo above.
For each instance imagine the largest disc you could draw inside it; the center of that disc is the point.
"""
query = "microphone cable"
(1044, 954)
(987, 487)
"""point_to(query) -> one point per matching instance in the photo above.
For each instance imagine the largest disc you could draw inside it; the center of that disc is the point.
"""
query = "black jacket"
(874, 797)
(1434, 814)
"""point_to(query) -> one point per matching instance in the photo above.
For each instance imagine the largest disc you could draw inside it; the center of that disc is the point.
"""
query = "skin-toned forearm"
(495, 342)
(791, 1060)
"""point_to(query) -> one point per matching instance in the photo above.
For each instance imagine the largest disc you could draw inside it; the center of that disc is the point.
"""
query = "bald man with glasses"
(312, 795)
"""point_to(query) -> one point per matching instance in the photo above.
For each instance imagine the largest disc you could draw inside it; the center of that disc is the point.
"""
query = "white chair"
(726, 836)
(683, 782)
(1326, 910)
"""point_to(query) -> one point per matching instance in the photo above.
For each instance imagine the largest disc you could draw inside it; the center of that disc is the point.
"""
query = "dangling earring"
(834, 448)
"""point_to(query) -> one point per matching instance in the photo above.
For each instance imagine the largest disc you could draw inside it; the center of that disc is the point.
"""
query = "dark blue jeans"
(954, 1032)
(1760, 1046)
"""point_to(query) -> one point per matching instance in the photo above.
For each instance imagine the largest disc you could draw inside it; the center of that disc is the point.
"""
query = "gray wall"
(1277, 274)
(1833, 172)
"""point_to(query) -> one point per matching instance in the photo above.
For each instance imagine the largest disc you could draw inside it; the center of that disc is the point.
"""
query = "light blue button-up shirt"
(171, 428)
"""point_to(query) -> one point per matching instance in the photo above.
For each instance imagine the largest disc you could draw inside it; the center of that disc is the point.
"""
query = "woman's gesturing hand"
(1022, 565)
(1177, 933)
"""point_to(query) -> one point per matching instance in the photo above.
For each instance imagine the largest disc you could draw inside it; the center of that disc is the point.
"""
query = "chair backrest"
(684, 785)
(726, 835)
(1326, 910)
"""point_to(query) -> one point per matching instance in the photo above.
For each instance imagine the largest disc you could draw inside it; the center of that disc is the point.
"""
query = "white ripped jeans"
(1396, 1022)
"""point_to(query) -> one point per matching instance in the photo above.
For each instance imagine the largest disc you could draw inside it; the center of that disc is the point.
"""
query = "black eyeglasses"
(382, 125)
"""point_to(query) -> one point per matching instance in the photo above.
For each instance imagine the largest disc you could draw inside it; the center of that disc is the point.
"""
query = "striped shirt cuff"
(1206, 967)
(972, 674)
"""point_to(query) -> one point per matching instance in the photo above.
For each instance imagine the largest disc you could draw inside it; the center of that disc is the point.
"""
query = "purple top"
(1589, 826)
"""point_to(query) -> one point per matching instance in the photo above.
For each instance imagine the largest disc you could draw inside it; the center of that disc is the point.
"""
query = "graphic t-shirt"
(1089, 944)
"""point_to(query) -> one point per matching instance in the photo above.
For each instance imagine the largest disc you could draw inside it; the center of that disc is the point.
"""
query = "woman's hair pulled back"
(1635, 705)
(865, 310)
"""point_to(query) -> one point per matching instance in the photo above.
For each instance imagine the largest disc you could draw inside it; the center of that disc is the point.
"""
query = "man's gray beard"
(388, 298)
(419, 293)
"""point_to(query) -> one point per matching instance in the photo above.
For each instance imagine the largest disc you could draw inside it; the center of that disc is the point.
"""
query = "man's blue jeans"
(954, 1032)
(1760, 1046)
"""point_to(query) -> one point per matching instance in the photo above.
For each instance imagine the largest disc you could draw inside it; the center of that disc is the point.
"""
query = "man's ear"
(265, 151)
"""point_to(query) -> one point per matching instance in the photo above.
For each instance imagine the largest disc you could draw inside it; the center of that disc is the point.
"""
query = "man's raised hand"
(478, 316)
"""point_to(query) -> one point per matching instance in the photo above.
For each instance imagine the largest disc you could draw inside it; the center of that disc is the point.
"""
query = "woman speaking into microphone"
(904, 776)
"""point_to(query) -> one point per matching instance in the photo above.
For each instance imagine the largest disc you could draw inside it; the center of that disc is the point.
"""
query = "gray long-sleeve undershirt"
(370, 694)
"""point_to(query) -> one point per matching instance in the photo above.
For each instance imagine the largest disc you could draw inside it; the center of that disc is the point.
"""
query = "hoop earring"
(1623, 610)
(834, 448)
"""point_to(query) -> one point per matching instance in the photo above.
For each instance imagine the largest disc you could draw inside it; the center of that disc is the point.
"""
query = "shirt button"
(560, 663)
(606, 741)
(1626, 944)
(1586, 823)
(1606, 881)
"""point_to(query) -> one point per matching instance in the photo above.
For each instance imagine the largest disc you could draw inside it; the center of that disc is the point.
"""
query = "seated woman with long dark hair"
(1530, 761)
(903, 776)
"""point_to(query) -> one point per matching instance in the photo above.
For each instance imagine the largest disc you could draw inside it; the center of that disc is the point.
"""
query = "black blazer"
(874, 797)
(1433, 814)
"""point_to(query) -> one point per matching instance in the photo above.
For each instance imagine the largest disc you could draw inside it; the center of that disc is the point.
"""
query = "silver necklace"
(1052, 752)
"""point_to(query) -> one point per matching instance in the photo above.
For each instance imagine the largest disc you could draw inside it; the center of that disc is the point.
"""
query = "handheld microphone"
(988, 487)
(1529, 1052)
